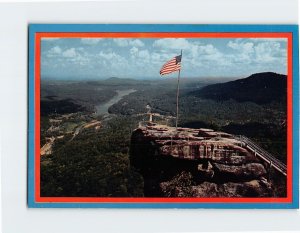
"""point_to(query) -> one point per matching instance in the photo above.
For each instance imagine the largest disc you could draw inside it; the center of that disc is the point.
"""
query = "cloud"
(112, 63)
(111, 57)
(129, 42)
(136, 42)
(108, 56)
(256, 50)
(55, 49)
(134, 51)
(144, 54)
(49, 39)
(54, 52)
(246, 47)
(91, 41)
(69, 53)
(269, 52)
(121, 42)
(268, 39)
(243, 52)
(171, 43)
(196, 55)
(192, 50)
(76, 56)
(208, 49)
(81, 60)
(140, 58)
(127, 57)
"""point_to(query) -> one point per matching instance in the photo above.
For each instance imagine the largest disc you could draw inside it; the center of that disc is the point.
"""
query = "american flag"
(171, 66)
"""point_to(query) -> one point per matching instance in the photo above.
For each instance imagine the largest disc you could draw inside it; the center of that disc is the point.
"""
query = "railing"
(263, 154)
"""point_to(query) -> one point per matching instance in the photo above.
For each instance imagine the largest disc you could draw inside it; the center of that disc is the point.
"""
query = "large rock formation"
(197, 163)
(183, 186)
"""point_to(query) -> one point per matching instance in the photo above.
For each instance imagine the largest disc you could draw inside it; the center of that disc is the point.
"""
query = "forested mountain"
(260, 88)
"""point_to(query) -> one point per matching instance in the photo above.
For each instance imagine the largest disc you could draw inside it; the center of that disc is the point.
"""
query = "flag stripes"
(171, 66)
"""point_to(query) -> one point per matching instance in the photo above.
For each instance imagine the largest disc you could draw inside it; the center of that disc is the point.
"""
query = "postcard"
(163, 116)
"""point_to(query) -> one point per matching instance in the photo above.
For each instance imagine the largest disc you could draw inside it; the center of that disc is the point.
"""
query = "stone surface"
(177, 188)
(249, 170)
(196, 163)
(186, 143)
(253, 188)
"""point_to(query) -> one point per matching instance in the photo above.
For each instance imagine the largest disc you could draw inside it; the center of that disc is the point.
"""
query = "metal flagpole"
(178, 92)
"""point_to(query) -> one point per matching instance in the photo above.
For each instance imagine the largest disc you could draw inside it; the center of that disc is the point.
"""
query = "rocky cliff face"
(196, 163)
(184, 186)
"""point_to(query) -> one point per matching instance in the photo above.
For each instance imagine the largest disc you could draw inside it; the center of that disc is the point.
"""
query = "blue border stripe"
(30, 191)
(160, 28)
(296, 118)
(168, 205)
(34, 28)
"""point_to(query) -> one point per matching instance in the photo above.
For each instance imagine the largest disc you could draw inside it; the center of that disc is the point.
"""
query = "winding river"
(102, 109)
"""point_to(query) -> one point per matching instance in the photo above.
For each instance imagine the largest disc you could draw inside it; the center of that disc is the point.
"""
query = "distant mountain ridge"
(260, 88)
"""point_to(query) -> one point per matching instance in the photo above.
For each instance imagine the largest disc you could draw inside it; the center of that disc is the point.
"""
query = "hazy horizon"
(81, 78)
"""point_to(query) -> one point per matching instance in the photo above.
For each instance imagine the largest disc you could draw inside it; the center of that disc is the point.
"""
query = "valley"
(86, 126)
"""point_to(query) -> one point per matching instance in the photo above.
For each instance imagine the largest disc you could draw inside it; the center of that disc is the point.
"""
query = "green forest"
(89, 161)
(93, 164)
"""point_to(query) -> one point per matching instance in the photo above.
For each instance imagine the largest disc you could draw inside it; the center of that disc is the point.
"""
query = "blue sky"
(98, 58)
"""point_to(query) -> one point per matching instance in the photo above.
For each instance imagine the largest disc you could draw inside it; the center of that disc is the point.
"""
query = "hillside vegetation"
(95, 161)
(260, 88)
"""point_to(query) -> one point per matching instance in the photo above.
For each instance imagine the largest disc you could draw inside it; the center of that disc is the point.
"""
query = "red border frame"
(37, 69)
